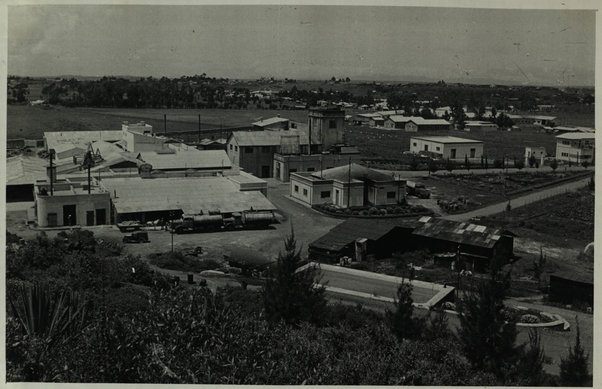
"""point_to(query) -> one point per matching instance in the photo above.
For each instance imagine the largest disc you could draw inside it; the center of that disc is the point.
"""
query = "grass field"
(390, 144)
(30, 122)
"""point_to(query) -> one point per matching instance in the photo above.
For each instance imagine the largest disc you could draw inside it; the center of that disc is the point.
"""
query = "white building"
(477, 125)
(538, 152)
(447, 147)
(575, 147)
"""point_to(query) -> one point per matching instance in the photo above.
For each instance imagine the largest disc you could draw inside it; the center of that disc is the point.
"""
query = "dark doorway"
(101, 217)
(265, 172)
(52, 220)
(69, 216)
(89, 218)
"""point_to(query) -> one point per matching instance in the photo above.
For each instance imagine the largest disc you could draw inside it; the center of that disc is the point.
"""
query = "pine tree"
(487, 336)
(401, 321)
(530, 368)
(291, 294)
(573, 368)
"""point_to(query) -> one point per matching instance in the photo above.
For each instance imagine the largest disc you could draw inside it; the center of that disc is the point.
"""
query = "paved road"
(520, 201)
(383, 288)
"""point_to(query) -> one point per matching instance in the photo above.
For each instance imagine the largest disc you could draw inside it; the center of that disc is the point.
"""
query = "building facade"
(447, 147)
(69, 204)
(575, 147)
(326, 126)
(347, 186)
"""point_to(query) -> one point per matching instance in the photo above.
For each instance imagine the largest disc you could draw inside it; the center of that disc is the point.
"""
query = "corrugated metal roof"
(446, 139)
(269, 138)
(270, 121)
(577, 135)
(21, 170)
(461, 233)
(191, 195)
(191, 159)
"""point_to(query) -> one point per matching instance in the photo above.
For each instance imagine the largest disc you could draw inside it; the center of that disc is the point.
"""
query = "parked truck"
(418, 190)
(218, 222)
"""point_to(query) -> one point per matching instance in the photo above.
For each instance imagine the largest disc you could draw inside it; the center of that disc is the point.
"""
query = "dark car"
(136, 237)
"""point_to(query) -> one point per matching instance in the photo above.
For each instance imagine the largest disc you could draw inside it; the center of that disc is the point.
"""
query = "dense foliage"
(82, 312)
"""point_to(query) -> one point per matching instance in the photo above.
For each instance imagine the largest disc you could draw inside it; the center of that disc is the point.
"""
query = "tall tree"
(402, 321)
(573, 368)
(487, 335)
(290, 293)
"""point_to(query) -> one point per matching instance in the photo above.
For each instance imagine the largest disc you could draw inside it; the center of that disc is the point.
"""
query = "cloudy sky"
(532, 47)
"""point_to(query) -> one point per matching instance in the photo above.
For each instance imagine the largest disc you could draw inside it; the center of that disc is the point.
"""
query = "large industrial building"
(136, 175)
(279, 150)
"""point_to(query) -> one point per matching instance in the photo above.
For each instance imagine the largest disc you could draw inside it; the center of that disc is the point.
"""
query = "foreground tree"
(487, 335)
(573, 368)
(402, 322)
(291, 294)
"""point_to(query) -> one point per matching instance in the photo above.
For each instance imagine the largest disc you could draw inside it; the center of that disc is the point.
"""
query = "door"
(452, 153)
(69, 215)
(265, 171)
(89, 218)
(101, 217)
(52, 220)
(336, 197)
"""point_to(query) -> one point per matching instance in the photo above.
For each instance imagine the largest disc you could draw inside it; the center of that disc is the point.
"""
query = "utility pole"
(349, 185)
(199, 128)
(51, 155)
(165, 123)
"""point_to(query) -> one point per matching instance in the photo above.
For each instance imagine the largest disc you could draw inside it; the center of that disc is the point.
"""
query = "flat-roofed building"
(275, 123)
(69, 203)
(478, 125)
(347, 186)
(576, 147)
(447, 147)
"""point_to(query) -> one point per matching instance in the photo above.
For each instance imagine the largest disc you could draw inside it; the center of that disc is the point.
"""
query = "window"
(249, 149)
(296, 188)
(304, 192)
(325, 194)
(332, 124)
(265, 149)
(426, 147)
(565, 154)
(231, 146)
(414, 144)
(566, 142)
(235, 148)
(438, 148)
(473, 153)
(390, 195)
(311, 169)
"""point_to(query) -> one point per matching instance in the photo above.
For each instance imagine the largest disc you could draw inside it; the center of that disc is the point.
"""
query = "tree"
(402, 322)
(530, 368)
(487, 335)
(449, 165)
(414, 163)
(554, 164)
(573, 368)
(432, 166)
(291, 294)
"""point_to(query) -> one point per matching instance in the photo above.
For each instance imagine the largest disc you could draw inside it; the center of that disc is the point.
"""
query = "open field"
(29, 122)
(390, 144)
(550, 218)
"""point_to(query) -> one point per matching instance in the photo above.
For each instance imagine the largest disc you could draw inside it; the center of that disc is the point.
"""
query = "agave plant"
(48, 314)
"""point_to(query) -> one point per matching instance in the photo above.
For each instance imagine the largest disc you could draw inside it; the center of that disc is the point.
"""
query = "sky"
(523, 47)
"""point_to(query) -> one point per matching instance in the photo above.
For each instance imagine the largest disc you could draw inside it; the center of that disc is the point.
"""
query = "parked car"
(136, 237)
